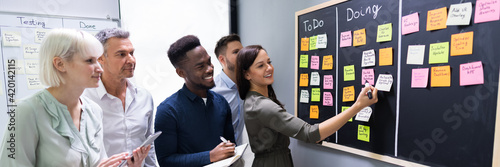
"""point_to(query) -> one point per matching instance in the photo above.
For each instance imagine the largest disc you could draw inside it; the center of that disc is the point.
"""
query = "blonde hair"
(64, 43)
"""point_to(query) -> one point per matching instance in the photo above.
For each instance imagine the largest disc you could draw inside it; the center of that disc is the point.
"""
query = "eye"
(89, 61)
(269, 62)
(132, 53)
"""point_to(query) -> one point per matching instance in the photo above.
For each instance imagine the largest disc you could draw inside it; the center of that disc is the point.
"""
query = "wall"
(271, 24)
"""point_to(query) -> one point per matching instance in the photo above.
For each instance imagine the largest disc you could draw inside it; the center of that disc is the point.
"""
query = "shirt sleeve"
(273, 116)
(166, 144)
(228, 126)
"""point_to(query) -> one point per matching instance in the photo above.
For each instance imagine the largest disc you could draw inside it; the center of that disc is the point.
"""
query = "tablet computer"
(148, 141)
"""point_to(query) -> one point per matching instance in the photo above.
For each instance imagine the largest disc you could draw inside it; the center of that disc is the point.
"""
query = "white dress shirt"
(124, 131)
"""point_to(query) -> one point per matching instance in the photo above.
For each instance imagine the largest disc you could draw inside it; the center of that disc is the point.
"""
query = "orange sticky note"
(327, 62)
(385, 57)
(304, 45)
(304, 80)
(348, 94)
(440, 76)
(436, 19)
(359, 37)
(461, 44)
(314, 112)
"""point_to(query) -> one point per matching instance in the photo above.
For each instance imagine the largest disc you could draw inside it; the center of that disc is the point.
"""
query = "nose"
(210, 68)
(130, 58)
(98, 68)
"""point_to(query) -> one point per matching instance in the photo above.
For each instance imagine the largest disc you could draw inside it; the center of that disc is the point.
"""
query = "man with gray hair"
(127, 109)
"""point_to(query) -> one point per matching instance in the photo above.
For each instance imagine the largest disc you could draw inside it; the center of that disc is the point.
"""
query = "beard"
(230, 66)
(207, 87)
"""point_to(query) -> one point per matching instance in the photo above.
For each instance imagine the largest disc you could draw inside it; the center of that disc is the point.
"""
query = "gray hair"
(107, 33)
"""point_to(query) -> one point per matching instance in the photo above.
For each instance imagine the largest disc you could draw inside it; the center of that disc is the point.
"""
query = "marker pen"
(369, 93)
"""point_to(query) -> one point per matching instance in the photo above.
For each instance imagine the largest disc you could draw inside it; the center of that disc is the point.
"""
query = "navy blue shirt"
(191, 129)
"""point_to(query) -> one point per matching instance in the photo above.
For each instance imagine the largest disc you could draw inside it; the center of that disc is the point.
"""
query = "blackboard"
(436, 126)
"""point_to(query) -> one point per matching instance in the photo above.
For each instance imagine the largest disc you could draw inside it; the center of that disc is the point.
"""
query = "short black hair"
(221, 45)
(177, 51)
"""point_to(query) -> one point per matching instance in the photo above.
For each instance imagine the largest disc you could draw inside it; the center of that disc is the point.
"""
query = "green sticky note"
(315, 94)
(364, 133)
(438, 52)
(304, 61)
(384, 32)
(312, 42)
(349, 73)
(345, 108)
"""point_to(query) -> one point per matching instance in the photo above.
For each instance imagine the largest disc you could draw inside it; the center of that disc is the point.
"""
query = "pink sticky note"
(315, 62)
(419, 77)
(471, 73)
(327, 99)
(368, 75)
(487, 10)
(328, 82)
(410, 24)
(345, 39)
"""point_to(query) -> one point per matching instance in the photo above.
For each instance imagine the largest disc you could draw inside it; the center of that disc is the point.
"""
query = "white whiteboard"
(72, 8)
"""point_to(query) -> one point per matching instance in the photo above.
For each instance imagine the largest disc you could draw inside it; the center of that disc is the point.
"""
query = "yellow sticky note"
(304, 44)
(384, 32)
(304, 80)
(304, 61)
(327, 62)
(345, 108)
(315, 94)
(436, 19)
(364, 133)
(385, 57)
(349, 73)
(461, 44)
(348, 94)
(312, 42)
(440, 76)
(438, 52)
(314, 112)
(359, 37)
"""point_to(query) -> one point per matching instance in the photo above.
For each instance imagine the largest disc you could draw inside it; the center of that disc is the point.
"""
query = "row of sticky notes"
(13, 38)
(315, 62)
(315, 80)
(461, 44)
(358, 37)
(384, 81)
(369, 58)
(470, 74)
(314, 42)
(315, 96)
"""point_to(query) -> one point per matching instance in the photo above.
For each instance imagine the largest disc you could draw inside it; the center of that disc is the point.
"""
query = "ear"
(101, 59)
(58, 63)
(180, 72)
(247, 76)
(222, 60)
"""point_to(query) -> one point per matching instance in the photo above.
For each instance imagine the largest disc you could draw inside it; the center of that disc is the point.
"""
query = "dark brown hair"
(177, 51)
(221, 46)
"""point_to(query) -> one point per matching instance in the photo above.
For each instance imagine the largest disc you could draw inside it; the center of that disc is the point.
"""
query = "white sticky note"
(364, 115)
(11, 38)
(368, 58)
(31, 66)
(304, 96)
(321, 42)
(19, 67)
(415, 54)
(1, 89)
(40, 34)
(315, 79)
(31, 51)
(34, 82)
(459, 14)
(384, 82)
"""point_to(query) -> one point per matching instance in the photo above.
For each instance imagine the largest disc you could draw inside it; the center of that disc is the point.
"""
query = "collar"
(101, 90)
(227, 80)
(191, 96)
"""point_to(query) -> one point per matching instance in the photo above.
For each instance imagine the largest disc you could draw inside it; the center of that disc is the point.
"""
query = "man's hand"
(139, 154)
(222, 151)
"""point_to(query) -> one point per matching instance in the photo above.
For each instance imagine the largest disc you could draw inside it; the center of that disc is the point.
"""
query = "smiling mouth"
(267, 76)
(209, 77)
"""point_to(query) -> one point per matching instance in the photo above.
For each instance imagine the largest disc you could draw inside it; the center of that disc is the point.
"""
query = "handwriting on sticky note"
(419, 77)
(415, 54)
(410, 23)
(327, 62)
(304, 80)
(345, 39)
(345, 108)
(461, 44)
(349, 74)
(384, 82)
(487, 10)
(327, 99)
(328, 82)
(19, 66)
(459, 14)
(364, 115)
(304, 61)
(359, 37)
(11, 38)
(384, 32)
(40, 34)
(385, 57)
(364, 133)
(436, 19)
(471, 73)
(438, 52)
(368, 58)
(321, 41)
(31, 66)
(315, 79)
(304, 44)
(348, 94)
(440, 76)
(304, 96)
(314, 112)
(312, 42)
(34, 82)
(368, 75)
(315, 62)
(315, 94)
(31, 51)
